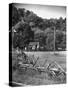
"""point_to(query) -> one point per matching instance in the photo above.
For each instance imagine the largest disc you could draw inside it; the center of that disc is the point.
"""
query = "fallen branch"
(60, 67)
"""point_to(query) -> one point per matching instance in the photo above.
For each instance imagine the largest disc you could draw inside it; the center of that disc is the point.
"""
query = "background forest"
(31, 28)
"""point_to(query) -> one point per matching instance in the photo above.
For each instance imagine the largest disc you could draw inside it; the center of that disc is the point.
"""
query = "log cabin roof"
(33, 43)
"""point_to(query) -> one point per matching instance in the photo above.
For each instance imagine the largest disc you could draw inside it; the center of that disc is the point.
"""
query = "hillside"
(43, 29)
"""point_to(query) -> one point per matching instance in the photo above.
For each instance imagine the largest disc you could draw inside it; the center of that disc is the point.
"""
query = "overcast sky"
(45, 11)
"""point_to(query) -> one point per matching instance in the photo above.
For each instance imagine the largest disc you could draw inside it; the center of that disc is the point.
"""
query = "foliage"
(35, 28)
(23, 36)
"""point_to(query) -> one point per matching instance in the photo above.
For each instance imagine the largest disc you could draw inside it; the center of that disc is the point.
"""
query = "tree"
(60, 39)
(50, 42)
(23, 36)
(15, 16)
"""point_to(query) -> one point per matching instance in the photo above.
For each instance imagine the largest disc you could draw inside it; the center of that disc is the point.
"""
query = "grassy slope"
(32, 77)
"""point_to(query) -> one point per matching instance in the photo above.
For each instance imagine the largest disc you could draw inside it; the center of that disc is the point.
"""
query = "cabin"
(33, 46)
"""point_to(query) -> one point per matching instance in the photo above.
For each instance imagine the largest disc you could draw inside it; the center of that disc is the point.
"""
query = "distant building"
(33, 46)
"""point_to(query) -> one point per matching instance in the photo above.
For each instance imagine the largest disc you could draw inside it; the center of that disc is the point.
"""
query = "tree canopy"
(30, 27)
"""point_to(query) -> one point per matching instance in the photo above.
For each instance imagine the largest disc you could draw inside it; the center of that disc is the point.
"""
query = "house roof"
(33, 43)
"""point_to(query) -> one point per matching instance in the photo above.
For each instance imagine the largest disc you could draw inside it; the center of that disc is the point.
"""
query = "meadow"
(33, 77)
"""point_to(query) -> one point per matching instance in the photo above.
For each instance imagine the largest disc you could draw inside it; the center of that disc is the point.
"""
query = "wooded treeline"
(32, 28)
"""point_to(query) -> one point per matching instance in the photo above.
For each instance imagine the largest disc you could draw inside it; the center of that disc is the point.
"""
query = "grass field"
(32, 77)
(59, 57)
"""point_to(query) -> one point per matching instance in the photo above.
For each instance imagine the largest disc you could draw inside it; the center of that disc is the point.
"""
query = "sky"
(45, 11)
